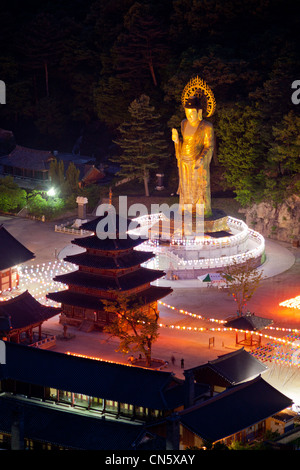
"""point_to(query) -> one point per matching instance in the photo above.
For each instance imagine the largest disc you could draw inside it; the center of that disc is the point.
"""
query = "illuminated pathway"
(38, 280)
(197, 314)
(184, 333)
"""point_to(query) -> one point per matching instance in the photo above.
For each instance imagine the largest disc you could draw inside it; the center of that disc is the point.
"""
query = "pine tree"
(40, 44)
(57, 173)
(53, 172)
(141, 141)
(61, 173)
(242, 280)
(72, 177)
(141, 49)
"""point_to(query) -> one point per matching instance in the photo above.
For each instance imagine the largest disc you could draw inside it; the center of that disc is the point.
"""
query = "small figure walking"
(182, 363)
(173, 360)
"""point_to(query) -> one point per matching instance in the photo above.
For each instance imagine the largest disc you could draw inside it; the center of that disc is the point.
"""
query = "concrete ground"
(282, 275)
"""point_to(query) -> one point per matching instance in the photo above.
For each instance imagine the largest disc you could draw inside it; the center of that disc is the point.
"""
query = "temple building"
(242, 413)
(23, 162)
(227, 371)
(27, 165)
(53, 400)
(107, 269)
(21, 320)
(12, 253)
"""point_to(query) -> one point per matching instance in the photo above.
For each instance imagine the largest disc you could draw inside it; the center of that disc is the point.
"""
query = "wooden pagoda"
(108, 269)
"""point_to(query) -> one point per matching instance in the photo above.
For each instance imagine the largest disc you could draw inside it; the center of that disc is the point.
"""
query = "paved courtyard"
(177, 335)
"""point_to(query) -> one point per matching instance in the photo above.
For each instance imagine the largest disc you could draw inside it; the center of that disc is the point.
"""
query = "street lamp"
(51, 192)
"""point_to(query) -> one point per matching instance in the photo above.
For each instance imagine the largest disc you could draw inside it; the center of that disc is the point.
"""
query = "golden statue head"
(193, 109)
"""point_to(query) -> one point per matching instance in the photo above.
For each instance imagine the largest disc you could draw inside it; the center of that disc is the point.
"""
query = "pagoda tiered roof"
(149, 295)
(124, 282)
(129, 260)
(108, 244)
(108, 268)
(115, 225)
(109, 233)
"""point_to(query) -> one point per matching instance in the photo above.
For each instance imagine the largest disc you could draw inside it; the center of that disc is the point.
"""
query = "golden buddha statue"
(194, 153)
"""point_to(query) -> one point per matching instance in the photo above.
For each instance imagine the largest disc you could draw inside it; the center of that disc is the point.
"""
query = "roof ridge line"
(223, 357)
(219, 396)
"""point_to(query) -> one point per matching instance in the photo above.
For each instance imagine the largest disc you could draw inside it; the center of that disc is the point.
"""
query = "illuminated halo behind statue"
(197, 87)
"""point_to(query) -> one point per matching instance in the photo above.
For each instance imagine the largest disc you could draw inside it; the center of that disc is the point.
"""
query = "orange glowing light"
(84, 356)
(291, 303)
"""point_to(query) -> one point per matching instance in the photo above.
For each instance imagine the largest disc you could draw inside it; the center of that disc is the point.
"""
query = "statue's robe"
(194, 154)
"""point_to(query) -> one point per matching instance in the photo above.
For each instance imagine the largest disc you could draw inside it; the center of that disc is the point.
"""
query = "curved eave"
(125, 282)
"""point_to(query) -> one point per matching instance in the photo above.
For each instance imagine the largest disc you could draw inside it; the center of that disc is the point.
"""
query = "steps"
(86, 326)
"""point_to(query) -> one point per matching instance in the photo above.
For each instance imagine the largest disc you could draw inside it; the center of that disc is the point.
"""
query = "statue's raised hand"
(175, 137)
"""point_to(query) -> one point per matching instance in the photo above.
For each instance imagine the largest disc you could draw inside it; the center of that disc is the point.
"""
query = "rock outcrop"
(279, 223)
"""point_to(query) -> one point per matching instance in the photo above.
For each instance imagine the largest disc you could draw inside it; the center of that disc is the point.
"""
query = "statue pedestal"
(189, 227)
(217, 222)
(224, 240)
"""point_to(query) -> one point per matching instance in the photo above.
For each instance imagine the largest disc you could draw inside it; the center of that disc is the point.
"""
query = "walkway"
(281, 282)
(278, 260)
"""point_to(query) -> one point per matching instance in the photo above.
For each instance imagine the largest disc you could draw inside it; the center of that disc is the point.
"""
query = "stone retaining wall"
(279, 223)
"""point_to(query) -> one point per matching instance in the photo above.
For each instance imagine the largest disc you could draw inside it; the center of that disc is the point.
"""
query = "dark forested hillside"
(73, 68)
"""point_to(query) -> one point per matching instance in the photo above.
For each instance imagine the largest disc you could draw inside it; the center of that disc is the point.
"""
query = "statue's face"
(192, 115)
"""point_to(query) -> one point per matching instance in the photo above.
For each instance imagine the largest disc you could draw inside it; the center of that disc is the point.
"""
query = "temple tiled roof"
(125, 282)
(109, 262)
(118, 382)
(30, 159)
(23, 311)
(234, 410)
(12, 252)
(108, 244)
(248, 322)
(233, 368)
(67, 297)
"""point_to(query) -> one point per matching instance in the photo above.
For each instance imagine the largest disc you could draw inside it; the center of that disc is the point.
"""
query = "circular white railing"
(204, 244)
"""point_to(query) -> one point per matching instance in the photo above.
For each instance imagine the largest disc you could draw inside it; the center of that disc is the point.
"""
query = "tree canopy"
(135, 324)
(241, 281)
(70, 64)
(142, 142)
